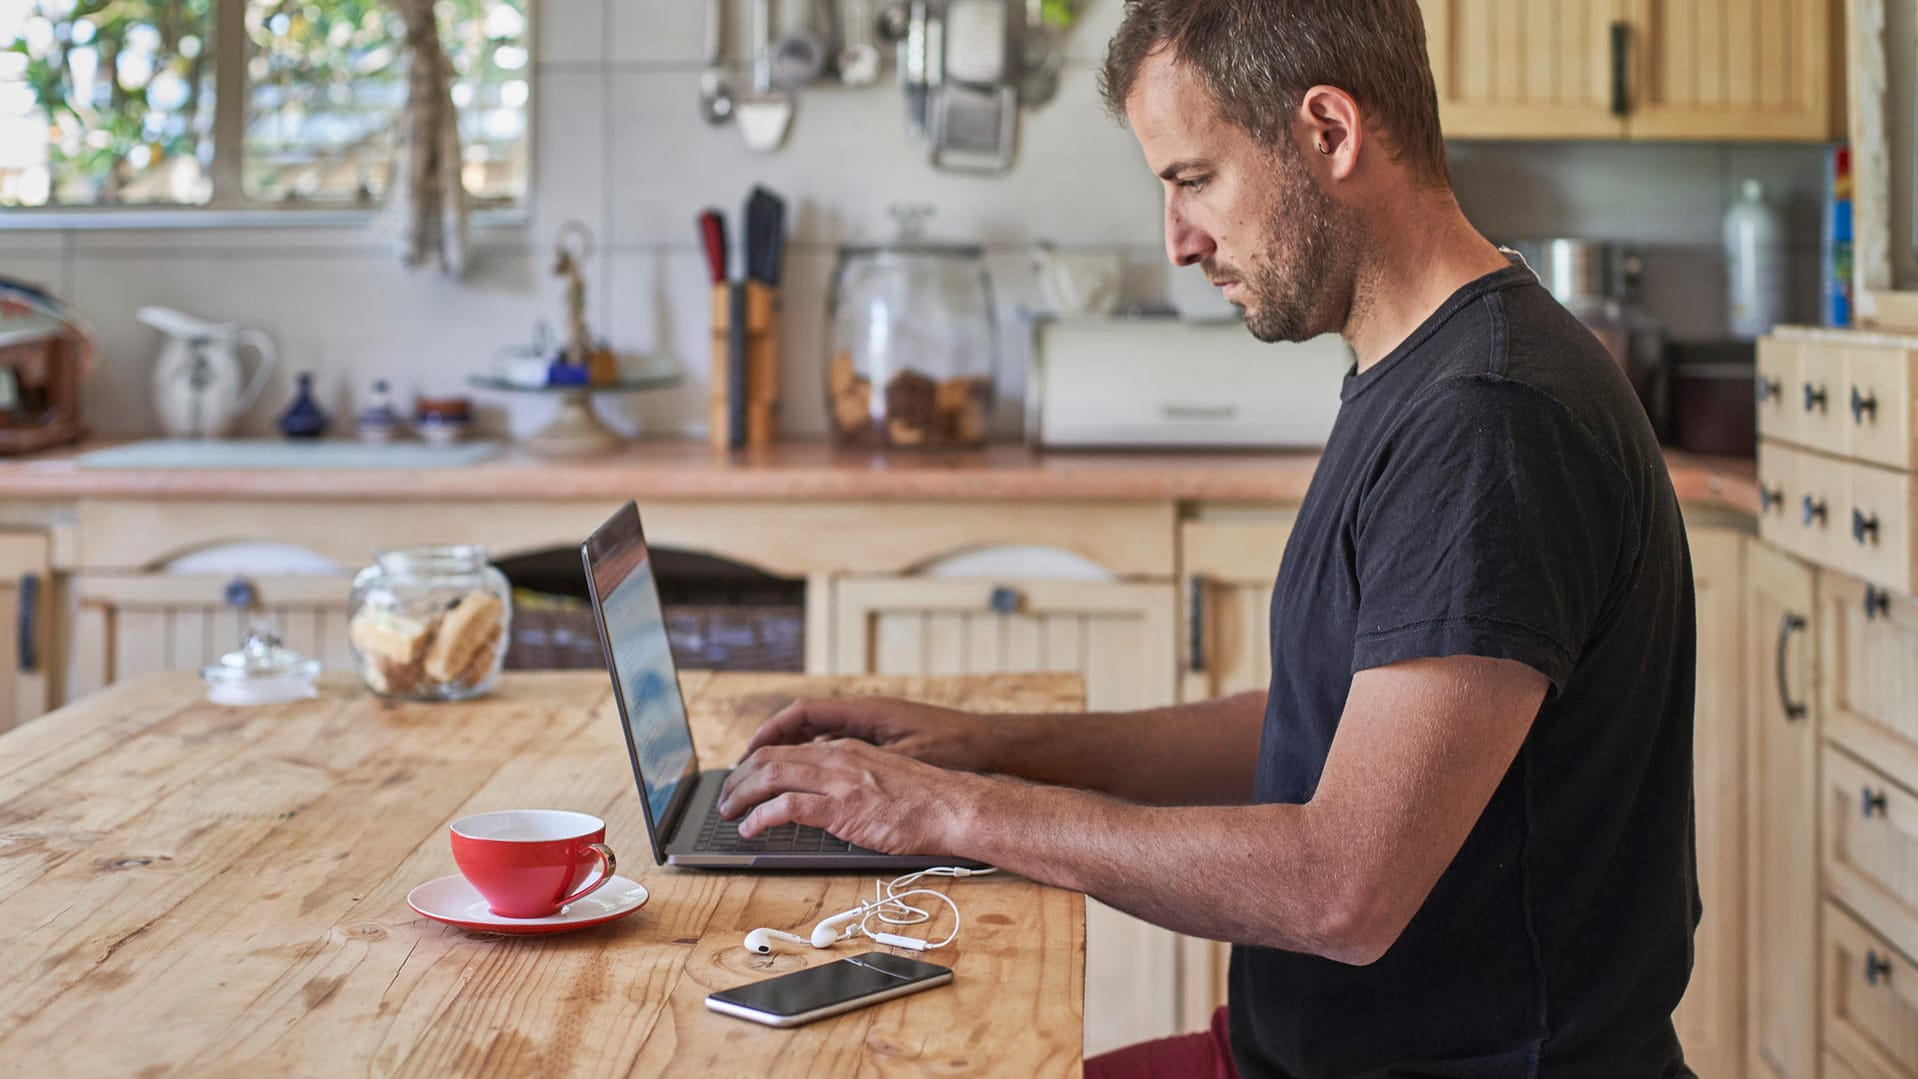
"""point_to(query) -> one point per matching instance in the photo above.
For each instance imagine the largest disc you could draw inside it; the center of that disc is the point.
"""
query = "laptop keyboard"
(721, 836)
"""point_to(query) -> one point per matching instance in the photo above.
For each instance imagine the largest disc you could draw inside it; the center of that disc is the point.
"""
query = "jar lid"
(261, 671)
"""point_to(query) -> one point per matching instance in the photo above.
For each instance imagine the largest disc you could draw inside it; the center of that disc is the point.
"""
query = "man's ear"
(1334, 129)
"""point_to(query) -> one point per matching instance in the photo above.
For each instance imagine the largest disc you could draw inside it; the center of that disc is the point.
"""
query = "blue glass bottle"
(303, 419)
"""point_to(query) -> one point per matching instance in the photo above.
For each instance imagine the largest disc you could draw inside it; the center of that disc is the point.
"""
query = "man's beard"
(1297, 291)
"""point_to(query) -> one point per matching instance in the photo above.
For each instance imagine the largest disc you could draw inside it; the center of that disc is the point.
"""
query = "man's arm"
(1421, 747)
(1193, 754)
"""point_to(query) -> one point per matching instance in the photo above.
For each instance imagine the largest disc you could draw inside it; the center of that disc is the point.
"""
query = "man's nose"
(1185, 244)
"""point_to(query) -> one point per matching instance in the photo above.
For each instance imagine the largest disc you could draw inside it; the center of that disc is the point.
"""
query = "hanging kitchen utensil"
(918, 50)
(766, 113)
(858, 56)
(715, 88)
(802, 52)
(972, 110)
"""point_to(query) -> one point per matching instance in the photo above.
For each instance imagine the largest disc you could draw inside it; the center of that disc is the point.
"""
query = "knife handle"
(712, 236)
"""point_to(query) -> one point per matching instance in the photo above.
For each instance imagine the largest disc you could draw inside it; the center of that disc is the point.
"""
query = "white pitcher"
(200, 389)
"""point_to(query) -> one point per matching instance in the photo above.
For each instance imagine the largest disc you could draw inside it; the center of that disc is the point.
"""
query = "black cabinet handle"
(1814, 398)
(1877, 967)
(1621, 69)
(1814, 510)
(240, 594)
(1871, 803)
(1877, 603)
(1195, 625)
(1769, 389)
(1860, 404)
(1793, 710)
(1769, 497)
(1006, 600)
(26, 625)
(1863, 527)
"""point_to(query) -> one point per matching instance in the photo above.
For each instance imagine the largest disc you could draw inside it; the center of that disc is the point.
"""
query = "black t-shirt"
(1493, 488)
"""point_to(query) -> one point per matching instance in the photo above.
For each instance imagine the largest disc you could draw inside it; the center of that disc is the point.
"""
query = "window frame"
(229, 207)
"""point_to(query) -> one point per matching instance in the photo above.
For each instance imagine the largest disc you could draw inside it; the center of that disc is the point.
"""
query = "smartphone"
(791, 1000)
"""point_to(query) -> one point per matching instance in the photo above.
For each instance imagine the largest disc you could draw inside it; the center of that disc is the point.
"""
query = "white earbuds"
(889, 907)
(761, 940)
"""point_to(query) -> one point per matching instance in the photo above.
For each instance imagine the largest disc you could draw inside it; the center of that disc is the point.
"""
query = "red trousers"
(1187, 1056)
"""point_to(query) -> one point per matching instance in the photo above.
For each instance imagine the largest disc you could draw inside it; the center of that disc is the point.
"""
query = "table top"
(191, 889)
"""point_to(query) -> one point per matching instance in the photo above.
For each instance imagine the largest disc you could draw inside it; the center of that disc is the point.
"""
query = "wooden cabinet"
(1518, 69)
(1120, 635)
(1642, 69)
(1869, 655)
(1781, 850)
(138, 624)
(26, 581)
(1871, 1000)
(1870, 850)
(1229, 568)
(1710, 1018)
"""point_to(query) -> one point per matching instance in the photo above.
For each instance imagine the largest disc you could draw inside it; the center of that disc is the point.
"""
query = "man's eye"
(1195, 185)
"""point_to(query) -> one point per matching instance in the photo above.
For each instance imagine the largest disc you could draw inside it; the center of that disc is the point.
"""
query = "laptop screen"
(633, 635)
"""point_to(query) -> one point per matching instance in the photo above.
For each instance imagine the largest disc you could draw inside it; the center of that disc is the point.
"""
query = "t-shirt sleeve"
(1493, 527)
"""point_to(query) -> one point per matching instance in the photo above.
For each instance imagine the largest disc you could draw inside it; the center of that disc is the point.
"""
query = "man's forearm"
(1248, 874)
(1191, 754)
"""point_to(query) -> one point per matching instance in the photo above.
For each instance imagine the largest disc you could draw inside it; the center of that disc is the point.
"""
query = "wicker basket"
(552, 633)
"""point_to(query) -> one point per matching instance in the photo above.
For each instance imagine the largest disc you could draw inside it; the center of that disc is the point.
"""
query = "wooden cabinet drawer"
(1804, 495)
(1871, 1000)
(1818, 398)
(1779, 416)
(1880, 397)
(1870, 535)
(1870, 850)
(1869, 690)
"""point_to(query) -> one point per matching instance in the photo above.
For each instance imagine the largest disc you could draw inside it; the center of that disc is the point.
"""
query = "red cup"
(529, 863)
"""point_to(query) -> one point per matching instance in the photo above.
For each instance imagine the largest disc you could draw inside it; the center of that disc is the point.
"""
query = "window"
(119, 102)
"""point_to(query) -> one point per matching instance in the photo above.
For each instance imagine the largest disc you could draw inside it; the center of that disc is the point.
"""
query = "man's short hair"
(1258, 57)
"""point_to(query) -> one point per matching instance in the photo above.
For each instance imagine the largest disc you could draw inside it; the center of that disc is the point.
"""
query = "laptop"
(681, 819)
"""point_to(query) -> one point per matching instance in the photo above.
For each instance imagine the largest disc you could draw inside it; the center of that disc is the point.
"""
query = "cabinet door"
(1733, 69)
(25, 578)
(135, 625)
(1781, 853)
(1870, 855)
(1524, 68)
(1869, 666)
(1709, 1019)
(1229, 568)
(1871, 1000)
(1121, 638)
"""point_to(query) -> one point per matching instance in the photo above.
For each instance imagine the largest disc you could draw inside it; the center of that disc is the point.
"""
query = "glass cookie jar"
(430, 623)
(914, 342)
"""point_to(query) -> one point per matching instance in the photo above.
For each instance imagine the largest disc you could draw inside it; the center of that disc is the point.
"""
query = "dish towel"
(426, 202)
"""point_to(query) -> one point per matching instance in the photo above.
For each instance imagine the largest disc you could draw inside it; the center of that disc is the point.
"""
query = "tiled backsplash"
(620, 146)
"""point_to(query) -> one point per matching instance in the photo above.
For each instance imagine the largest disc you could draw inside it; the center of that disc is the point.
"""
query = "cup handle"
(607, 863)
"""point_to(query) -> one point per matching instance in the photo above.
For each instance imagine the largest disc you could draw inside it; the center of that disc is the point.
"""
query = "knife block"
(762, 365)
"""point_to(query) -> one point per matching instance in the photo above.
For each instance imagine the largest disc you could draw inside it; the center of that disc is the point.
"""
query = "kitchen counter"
(689, 471)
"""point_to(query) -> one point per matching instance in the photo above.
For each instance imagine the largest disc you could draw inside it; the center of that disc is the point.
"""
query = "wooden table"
(194, 890)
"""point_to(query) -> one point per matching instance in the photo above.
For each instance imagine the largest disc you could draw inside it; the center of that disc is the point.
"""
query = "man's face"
(1251, 216)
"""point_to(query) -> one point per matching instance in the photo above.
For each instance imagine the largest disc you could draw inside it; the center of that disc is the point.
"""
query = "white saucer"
(454, 901)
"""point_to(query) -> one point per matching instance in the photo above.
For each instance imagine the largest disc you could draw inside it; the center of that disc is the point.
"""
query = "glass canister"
(430, 623)
(914, 342)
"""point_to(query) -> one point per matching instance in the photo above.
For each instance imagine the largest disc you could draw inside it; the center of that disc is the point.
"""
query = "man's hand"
(865, 795)
(941, 736)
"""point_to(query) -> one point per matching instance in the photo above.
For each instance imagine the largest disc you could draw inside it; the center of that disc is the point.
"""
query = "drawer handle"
(1863, 526)
(1871, 803)
(1006, 600)
(26, 625)
(1621, 68)
(1814, 510)
(1814, 398)
(240, 594)
(1195, 626)
(1877, 967)
(1860, 404)
(1769, 389)
(1770, 498)
(1793, 710)
(1877, 603)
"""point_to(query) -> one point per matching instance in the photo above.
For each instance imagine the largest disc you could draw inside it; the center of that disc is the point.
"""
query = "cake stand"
(575, 430)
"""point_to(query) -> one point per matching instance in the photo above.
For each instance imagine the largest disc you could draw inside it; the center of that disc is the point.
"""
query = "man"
(1454, 838)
